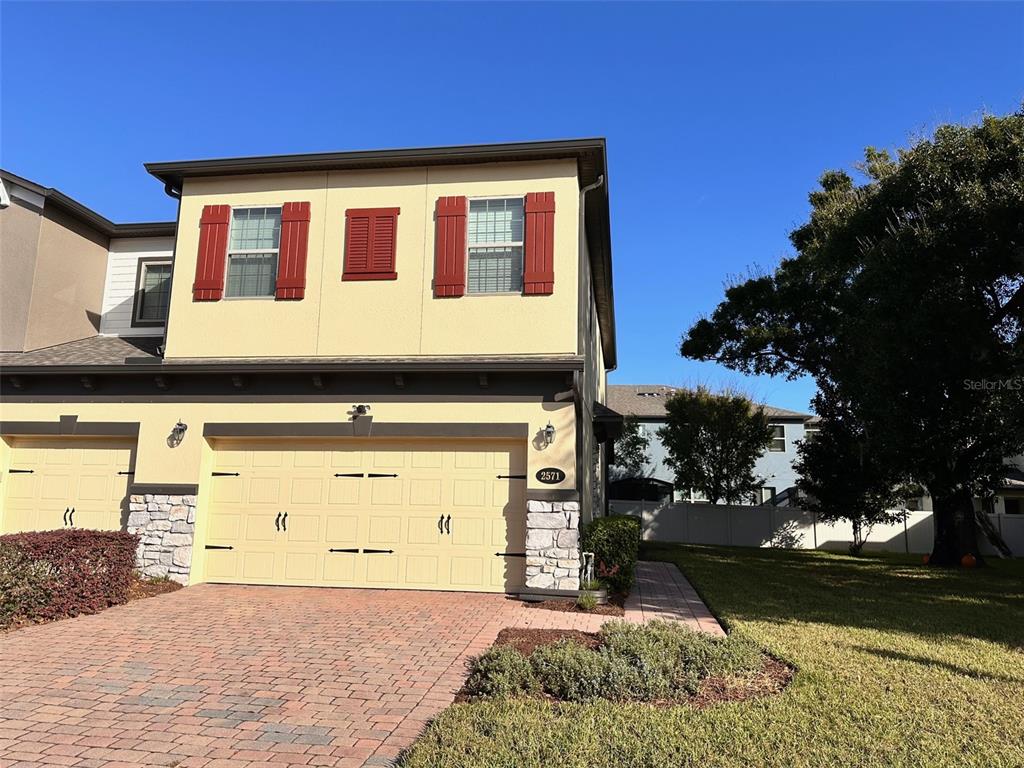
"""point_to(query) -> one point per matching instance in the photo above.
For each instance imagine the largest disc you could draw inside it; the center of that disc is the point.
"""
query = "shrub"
(501, 671)
(573, 672)
(615, 542)
(673, 658)
(586, 602)
(54, 574)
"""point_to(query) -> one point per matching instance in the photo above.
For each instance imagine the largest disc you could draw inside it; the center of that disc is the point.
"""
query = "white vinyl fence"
(790, 528)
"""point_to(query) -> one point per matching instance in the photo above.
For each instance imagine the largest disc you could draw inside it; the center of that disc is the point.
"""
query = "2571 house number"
(550, 475)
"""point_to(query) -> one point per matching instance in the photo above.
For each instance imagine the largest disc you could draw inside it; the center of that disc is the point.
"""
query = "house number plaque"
(550, 475)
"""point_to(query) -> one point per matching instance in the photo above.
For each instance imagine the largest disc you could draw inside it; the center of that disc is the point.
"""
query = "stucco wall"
(67, 292)
(399, 317)
(19, 238)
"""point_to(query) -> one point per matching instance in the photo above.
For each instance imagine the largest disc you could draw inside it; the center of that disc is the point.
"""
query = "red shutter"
(371, 239)
(213, 252)
(450, 247)
(539, 246)
(291, 258)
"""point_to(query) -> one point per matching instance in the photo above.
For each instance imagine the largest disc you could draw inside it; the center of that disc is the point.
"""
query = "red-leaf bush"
(55, 574)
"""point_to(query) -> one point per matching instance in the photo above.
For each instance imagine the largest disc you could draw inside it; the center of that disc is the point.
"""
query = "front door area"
(416, 514)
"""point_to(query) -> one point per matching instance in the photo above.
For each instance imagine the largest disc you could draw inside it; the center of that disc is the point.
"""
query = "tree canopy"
(631, 451)
(905, 300)
(713, 441)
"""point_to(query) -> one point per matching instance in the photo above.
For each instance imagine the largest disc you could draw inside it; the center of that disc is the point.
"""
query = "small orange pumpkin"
(968, 561)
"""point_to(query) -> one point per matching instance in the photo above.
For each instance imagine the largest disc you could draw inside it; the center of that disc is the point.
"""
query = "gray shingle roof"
(648, 401)
(95, 350)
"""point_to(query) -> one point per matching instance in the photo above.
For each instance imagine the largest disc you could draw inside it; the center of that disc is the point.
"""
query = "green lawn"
(897, 665)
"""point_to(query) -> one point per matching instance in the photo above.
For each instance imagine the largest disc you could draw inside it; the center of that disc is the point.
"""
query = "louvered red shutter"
(291, 258)
(539, 245)
(450, 248)
(371, 240)
(213, 252)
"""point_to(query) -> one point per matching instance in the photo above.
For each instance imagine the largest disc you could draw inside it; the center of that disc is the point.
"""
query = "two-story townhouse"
(378, 369)
(645, 404)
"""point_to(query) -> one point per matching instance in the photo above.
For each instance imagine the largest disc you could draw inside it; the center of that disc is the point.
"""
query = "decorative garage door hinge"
(217, 546)
(377, 474)
(510, 554)
(344, 550)
(225, 474)
(21, 471)
(511, 477)
(349, 474)
(378, 551)
(127, 472)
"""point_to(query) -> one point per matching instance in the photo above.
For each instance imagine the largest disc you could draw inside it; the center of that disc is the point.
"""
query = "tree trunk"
(956, 533)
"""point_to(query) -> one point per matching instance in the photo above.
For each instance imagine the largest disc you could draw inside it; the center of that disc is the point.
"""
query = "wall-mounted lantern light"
(549, 435)
(177, 434)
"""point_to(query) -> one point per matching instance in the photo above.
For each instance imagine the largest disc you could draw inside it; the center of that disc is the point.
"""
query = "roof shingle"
(648, 401)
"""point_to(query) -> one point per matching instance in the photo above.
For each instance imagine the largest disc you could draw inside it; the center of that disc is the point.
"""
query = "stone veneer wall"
(165, 524)
(552, 544)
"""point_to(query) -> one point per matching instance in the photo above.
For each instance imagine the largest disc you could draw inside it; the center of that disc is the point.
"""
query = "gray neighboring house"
(645, 403)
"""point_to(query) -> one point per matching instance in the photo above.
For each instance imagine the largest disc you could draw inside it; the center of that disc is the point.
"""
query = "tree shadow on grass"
(956, 669)
(873, 591)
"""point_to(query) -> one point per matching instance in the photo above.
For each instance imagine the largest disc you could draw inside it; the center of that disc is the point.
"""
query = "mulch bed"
(772, 678)
(614, 607)
(143, 588)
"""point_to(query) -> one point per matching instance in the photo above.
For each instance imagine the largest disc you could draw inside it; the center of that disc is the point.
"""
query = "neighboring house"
(645, 404)
(346, 369)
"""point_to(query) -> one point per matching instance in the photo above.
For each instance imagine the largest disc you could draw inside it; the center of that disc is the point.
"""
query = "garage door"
(62, 482)
(409, 515)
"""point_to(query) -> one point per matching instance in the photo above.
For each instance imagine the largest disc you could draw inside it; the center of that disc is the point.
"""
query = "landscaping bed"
(614, 607)
(662, 663)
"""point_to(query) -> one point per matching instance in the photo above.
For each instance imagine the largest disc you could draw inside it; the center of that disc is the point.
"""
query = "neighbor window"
(767, 494)
(252, 252)
(811, 433)
(152, 292)
(778, 443)
(495, 239)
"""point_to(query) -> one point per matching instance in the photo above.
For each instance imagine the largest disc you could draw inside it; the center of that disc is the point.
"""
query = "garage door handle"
(71, 517)
(277, 521)
(440, 523)
(448, 525)
(66, 510)
(284, 522)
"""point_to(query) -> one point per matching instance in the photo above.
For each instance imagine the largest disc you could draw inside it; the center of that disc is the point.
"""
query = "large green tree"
(713, 441)
(905, 298)
(631, 451)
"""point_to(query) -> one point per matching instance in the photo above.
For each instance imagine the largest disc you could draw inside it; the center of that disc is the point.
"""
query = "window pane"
(251, 274)
(255, 229)
(495, 270)
(496, 221)
(156, 292)
(778, 443)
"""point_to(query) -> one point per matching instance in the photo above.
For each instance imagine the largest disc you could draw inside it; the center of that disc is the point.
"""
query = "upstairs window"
(252, 252)
(495, 240)
(152, 293)
(778, 443)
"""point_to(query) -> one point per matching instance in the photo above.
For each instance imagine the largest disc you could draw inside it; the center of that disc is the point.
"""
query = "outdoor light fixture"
(549, 435)
(360, 409)
(177, 434)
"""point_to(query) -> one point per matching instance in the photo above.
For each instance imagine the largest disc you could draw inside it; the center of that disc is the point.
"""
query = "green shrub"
(25, 585)
(501, 671)
(573, 672)
(673, 658)
(615, 542)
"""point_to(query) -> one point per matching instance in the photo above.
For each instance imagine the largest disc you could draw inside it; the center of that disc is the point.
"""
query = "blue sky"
(719, 117)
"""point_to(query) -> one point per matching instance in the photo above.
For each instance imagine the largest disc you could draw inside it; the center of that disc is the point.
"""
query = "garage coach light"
(177, 434)
(549, 435)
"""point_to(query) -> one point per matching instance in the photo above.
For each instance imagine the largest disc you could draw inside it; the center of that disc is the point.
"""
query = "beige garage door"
(411, 515)
(67, 482)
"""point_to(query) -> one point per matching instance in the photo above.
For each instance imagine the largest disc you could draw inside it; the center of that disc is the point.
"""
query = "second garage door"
(413, 515)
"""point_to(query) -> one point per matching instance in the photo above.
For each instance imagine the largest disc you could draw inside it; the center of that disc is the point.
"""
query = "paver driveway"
(220, 675)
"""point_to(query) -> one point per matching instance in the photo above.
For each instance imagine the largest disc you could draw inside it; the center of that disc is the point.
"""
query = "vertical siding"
(119, 290)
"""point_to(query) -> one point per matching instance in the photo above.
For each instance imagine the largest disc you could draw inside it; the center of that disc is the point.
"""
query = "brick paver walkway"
(219, 676)
(662, 592)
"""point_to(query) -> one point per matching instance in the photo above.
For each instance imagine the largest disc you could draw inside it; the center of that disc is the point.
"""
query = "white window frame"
(771, 446)
(510, 244)
(144, 264)
(251, 251)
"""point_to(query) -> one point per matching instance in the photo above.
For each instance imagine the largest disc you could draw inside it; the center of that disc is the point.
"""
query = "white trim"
(5, 199)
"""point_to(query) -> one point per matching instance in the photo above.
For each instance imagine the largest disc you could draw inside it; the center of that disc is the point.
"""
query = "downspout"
(580, 387)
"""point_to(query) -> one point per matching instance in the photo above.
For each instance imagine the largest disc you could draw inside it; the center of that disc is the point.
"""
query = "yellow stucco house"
(370, 369)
